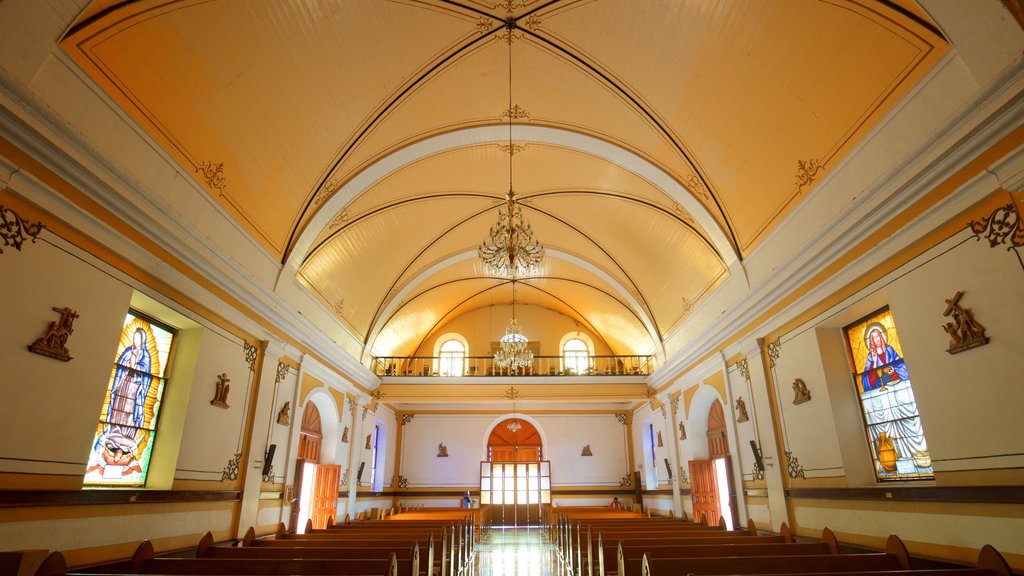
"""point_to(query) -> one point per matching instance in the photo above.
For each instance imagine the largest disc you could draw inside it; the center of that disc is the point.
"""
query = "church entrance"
(318, 483)
(515, 480)
(711, 480)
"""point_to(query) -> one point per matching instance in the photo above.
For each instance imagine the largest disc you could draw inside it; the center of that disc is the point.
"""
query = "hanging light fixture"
(513, 352)
(510, 248)
(513, 425)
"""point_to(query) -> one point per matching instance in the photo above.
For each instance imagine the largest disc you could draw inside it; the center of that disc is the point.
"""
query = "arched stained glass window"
(893, 425)
(576, 356)
(127, 425)
(452, 358)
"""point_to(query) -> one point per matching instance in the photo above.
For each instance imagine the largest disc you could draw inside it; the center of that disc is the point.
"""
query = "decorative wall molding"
(774, 350)
(231, 470)
(621, 417)
(1004, 225)
(15, 230)
(407, 418)
(515, 113)
(282, 372)
(793, 466)
(744, 369)
(403, 482)
(626, 480)
(964, 331)
(54, 342)
(251, 352)
(344, 478)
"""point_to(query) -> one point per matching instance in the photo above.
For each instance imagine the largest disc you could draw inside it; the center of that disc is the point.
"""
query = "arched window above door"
(575, 356)
(452, 358)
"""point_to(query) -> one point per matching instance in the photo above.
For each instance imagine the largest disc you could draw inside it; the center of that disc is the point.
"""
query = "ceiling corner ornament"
(407, 418)
(800, 392)
(1001, 226)
(220, 395)
(250, 355)
(339, 219)
(793, 466)
(532, 22)
(213, 174)
(15, 230)
(806, 172)
(586, 451)
(284, 416)
(53, 343)
(626, 480)
(696, 186)
(621, 417)
(230, 471)
(514, 113)
(964, 331)
(282, 372)
(483, 25)
(774, 350)
(403, 482)
(744, 369)
(512, 149)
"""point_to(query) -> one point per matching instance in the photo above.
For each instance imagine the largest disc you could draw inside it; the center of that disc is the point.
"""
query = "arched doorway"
(515, 480)
(318, 483)
(711, 479)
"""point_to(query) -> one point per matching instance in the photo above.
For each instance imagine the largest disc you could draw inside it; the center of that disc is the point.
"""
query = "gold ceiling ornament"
(511, 394)
(774, 349)
(806, 172)
(213, 174)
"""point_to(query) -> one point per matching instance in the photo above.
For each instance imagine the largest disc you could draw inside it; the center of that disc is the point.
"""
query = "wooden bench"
(990, 563)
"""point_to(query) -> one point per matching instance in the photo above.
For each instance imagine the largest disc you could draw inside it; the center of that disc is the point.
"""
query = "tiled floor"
(515, 552)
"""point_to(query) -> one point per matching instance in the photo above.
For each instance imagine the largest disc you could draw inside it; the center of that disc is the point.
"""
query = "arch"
(504, 418)
(522, 444)
(718, 440)
(697, 420)
(576, 350)
(328, 411)
(447, 349)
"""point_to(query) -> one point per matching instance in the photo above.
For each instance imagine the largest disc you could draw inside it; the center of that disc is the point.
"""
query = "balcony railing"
(432, 366)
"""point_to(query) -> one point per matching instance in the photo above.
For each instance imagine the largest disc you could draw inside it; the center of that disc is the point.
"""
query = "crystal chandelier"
(513, 424)
(513, 353)
(510, 248)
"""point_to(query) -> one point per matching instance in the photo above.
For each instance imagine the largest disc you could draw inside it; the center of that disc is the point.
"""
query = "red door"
(704, 491)
(325, 494)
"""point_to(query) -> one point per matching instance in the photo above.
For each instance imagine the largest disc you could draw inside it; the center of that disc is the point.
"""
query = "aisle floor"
(515, 552)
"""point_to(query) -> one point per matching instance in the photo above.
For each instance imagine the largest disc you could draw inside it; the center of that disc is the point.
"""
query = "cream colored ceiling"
(363, 143)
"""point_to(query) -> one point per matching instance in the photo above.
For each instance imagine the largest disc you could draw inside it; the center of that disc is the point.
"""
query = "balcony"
(430, 366)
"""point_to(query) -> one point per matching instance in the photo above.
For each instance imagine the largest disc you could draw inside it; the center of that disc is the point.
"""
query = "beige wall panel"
(465, 436)
(970, 388)
(807, 428)
(74, 533)
(213, 435)
(52, 423)
(745, 431)
(567, 434)
(280, 434)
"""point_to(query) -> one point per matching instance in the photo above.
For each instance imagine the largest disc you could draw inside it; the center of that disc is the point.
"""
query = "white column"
(766, 432)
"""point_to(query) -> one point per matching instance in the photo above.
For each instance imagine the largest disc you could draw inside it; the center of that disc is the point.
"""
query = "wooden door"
(704, 491)
(325, 494)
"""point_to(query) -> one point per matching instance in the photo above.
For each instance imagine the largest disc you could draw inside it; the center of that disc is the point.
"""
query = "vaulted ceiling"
(365, 143)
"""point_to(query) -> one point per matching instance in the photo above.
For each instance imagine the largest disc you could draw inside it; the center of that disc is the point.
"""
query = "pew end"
(250, 535)
(896, 547)
(143, 552)
(990, 559)
(393, 565)
(751, 528)
(829, 538)
(204, 545)
(282, 531)
(786, 533)
(56, 565)
(309, 526)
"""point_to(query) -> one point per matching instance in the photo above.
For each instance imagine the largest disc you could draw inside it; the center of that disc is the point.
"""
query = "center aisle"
(515, 552)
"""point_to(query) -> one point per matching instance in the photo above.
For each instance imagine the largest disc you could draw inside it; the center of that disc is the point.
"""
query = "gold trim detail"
(344, 478)
(14, 229)
(54, 343)
(1002, 225)
(403, 482)
(407, 418)
(532, 22)
(511, 393)
(339, 219)
(483, 25)
(512, 149)
(626, 480)
(621, 418)
(806, 172)
(213, 174)
(696, 186)
(377, 393)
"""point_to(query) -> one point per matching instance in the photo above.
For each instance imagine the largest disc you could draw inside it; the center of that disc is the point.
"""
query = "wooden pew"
(144, 561)
(990, 563)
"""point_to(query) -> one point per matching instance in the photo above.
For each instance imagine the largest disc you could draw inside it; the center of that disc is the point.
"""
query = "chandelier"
(513, 424)
(513, 353)
(510, 248)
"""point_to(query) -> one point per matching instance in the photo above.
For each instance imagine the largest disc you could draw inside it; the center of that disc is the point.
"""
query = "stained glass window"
(127, 425)
(893, 425)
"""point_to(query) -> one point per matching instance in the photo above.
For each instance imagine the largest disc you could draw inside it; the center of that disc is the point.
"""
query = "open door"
(325, 494)
(704, 491)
